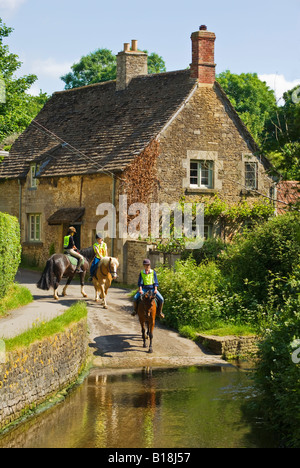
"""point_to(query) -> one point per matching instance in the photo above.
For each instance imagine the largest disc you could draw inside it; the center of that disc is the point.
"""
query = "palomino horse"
(147, 313)
(105, 274)
(59, 266)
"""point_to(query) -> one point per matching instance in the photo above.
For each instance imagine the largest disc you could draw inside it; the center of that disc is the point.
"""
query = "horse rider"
(71, 249)
(148, 281)
(100, 250)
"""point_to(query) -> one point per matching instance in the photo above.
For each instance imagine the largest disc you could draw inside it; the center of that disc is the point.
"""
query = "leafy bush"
(271, 250)
(278, 371)
(210, 250)
(190, 293)
(10, 251)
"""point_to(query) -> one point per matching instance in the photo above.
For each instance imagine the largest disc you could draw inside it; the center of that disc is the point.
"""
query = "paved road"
(115, 336)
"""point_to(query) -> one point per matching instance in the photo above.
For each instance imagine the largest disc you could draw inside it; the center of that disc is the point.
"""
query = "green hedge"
(278, 370)
(10, 251)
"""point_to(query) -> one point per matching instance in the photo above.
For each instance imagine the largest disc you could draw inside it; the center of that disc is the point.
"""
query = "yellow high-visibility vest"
(101, 248)
(66, 241)
(148, 279)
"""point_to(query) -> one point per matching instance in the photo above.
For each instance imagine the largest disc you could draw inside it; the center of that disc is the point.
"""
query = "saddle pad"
(73, 260)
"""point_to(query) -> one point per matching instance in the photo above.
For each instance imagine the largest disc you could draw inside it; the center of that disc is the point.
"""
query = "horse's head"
(113, 267)
(148, 300)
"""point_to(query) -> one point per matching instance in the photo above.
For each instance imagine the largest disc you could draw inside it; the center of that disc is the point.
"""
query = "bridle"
(109, 270)
(151, 298)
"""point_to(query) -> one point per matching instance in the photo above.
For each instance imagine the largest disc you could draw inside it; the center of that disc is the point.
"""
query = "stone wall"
(32, 375)
(134, 254)
(230, 346)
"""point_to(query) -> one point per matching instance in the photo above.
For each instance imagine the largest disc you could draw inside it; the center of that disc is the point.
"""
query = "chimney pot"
(126, 47)
(203, 28)
(134, 45)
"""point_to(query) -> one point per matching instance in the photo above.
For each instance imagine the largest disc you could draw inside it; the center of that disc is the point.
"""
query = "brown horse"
(106, 273)
(147, 313)
(59, 266)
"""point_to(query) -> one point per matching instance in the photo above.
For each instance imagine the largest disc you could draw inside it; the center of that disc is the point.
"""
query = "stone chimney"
(203, 65)
(130, 64)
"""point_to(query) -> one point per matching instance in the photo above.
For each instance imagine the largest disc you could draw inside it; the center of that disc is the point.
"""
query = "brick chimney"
(130, 63)
(203, 65)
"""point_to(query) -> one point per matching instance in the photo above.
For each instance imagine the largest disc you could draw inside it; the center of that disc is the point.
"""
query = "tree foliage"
(275, 128)
(282, 136)
(100, 66)
(19, 108)
(252, 98)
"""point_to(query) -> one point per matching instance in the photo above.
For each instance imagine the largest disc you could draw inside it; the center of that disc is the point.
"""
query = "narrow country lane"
(114, 335)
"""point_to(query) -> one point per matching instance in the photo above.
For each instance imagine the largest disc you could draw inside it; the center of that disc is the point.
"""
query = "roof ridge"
(103, 83)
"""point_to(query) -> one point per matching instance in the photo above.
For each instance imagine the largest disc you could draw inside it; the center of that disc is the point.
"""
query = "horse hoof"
(150, 351)
(105, 307)
(85, 295)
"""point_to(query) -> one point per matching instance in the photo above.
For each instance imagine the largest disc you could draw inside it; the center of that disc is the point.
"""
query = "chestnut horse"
(147, 313)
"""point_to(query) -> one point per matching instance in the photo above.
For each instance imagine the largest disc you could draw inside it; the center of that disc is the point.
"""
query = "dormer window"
(34, 168)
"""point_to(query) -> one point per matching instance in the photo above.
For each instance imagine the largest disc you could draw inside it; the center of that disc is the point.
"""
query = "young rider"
(71, 249)
(148, 281)
(100, 249)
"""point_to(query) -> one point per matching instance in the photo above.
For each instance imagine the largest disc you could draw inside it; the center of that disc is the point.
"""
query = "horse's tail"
(47, 278)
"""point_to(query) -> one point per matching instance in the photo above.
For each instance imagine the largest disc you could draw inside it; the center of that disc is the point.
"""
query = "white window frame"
(34, 227)
(200, 168)
(254, 166)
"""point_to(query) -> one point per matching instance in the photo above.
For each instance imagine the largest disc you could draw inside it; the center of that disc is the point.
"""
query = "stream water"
(149, 408)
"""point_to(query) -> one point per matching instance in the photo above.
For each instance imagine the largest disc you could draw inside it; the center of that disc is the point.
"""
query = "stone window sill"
(33, 244)
(195, 191)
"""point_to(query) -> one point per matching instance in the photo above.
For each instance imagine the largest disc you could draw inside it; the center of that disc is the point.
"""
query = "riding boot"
(78, 268)
(159, 310)
(135, 307)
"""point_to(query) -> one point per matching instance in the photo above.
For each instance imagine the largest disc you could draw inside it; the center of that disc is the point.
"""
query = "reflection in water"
(152, 408)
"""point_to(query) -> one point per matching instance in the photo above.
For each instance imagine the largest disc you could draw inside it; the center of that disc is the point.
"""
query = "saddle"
(72, 260)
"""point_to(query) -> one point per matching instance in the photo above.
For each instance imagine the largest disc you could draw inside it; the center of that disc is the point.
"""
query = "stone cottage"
(152, 137)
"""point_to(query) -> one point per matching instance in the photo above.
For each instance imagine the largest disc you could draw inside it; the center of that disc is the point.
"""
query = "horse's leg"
(150, 332)
(64, 293)
(56, 284)
(144, 333)
(82, 277)
(103, 296)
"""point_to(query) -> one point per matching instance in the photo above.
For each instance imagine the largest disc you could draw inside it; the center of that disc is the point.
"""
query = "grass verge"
(39, 331)
(221, 330)
(17, 296)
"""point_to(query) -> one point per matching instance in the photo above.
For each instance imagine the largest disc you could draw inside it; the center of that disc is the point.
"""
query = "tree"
(100, 66)
(253, 100)
(93, 68)
(283, 136)
(18, 108)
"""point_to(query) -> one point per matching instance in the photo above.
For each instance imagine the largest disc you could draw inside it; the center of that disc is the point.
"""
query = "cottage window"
(202, 174)
(33, 180)
(208, 231)
(34, 227)
(251, 169)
